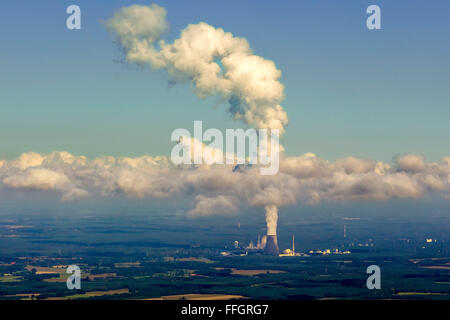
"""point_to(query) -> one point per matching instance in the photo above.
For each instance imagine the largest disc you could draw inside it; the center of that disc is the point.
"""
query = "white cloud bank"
(224, 189)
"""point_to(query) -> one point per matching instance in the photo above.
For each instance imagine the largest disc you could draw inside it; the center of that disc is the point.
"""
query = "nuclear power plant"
(268, 244)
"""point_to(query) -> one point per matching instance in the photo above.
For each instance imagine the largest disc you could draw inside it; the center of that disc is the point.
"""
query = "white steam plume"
(216, 62)
(271, 220)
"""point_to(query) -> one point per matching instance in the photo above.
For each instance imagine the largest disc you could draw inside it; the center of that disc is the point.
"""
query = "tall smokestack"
(271, 220)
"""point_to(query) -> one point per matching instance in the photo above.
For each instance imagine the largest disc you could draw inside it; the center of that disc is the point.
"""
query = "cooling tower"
(271, 245)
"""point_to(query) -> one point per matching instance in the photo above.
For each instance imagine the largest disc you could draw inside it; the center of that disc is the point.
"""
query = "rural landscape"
(163, 258)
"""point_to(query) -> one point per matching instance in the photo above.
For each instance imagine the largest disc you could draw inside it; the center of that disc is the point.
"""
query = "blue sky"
(349, 91)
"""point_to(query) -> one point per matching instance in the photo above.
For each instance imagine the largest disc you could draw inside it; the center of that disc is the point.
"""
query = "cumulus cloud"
(446, 160)
(213, 205)
(305, 166)
(410, 162)
(28, 160)
(223, 189)
(215, 61)
(433, 183)
(74, 194)
(56, 171)
(38, 178)
(355, 165)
